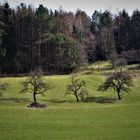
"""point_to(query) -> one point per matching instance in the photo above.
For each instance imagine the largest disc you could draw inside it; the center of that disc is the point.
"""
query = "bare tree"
(35, 84)
(120, 63)
(118, 81)
(76, 88)
(3, 87)
(98, 65)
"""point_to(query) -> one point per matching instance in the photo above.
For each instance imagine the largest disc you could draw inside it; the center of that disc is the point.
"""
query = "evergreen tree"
(122, 22)
(135, 31)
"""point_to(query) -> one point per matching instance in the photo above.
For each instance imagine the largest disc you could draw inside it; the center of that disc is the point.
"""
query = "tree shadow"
(60, 101)
(17, 100)
(134, 68)
(100, 99)
(106, 68)
(57, 101)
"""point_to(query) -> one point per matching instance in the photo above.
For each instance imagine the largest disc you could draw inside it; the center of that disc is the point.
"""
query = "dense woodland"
(60, 41)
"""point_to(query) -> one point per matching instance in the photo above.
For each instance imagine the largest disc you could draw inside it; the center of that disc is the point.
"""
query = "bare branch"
(35, 84)
(3, 87)
(118, 81)
(76, 88)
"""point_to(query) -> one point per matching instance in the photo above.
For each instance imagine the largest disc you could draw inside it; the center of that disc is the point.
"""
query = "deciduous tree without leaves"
(77, 88)
(35, 84)
(118, 81)
(3, 87)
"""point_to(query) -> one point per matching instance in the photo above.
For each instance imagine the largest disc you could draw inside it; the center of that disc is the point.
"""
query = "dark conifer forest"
(59, 42)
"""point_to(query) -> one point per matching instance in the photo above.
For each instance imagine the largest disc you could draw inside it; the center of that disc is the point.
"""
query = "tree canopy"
(60, 41)
(118, 81)
(35, 84)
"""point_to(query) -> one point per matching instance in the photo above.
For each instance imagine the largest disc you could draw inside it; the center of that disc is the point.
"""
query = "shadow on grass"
(134, 68)
(87, 100)
(61, 101)
(106, 68)
(17, 100)
(57, 101)
(100, 99)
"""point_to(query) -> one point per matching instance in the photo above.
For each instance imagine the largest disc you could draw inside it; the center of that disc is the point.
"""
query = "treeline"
(60, 41)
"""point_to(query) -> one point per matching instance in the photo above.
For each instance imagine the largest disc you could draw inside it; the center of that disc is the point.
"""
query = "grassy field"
(64, 119)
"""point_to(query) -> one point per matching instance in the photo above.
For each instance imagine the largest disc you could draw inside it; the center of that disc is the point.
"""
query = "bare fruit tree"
(119, 64)
(3, 87)
(118, 81)
(35, 84)
(77, 88)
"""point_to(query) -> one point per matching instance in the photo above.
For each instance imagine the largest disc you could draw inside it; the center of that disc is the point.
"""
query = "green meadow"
(64, 118)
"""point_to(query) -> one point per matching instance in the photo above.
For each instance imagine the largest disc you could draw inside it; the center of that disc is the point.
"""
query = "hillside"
(66, 119)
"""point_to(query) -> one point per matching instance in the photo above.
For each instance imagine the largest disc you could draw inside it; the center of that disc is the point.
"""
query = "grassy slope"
(66, 119)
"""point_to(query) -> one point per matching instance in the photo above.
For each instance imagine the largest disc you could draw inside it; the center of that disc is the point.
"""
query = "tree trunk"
(119, 97)
(77, 98)
(34, 97)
